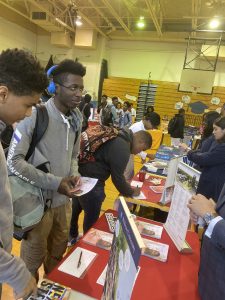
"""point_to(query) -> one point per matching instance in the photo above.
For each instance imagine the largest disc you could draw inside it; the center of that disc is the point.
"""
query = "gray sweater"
(57, 148)
(12, 269)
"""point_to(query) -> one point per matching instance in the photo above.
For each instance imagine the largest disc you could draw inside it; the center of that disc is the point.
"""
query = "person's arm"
(218, 236)
(118, 164)
(199, 206)
(214, 157)
(74, 162)
(17, 164)
(114, 113)
(129, 120)
(87, 111)
(14, 272)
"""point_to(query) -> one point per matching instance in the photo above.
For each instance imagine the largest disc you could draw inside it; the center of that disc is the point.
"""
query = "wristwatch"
(208, 217)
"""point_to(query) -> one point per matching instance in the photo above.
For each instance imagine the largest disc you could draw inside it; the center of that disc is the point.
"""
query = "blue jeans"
(91, 204)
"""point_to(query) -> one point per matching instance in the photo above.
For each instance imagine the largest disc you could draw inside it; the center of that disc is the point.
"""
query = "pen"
(79, 261)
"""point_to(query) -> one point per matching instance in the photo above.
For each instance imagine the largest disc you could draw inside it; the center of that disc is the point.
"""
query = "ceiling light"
(78, 21)
(214, 23)
(141, 23)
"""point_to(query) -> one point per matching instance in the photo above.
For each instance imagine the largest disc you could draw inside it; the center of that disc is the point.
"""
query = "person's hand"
(136, 191)
(143, 161)
(67, 184)
(194, 218)
(150, 156)
(199, 205)
(183, 147)
(30, 289)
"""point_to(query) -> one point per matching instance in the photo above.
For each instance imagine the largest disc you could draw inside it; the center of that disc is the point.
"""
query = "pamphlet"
(170, 181)
(178, 218)
(151, 230)
(48, 290)
(166, 153)
(98, 238)
(124, 256)
(111, 220)
(155, 250)
(136, 183)
(157, 189)
(87, 184)
(78, 262)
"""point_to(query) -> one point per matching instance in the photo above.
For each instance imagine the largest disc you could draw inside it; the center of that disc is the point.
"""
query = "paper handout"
(87, 184)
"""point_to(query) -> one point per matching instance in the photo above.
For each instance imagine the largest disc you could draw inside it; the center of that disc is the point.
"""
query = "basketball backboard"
(196, 81)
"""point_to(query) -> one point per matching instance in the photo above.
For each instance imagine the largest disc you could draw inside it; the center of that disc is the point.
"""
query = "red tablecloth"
(175, 279)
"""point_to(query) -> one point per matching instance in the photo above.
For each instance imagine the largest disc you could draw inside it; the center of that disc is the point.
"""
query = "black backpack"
(172, 125)
(41, 125)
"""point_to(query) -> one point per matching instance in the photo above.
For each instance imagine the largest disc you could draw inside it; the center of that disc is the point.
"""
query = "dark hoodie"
(178, 131)
(111, 159)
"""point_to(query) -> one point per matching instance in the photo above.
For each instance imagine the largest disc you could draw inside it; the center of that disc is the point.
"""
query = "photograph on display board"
(124, 256)
(187, 177)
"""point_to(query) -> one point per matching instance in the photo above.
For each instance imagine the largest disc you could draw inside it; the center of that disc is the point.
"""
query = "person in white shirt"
(150, 121)
(133, 111)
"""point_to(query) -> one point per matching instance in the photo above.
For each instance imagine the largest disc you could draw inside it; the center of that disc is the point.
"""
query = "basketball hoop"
(194, 89)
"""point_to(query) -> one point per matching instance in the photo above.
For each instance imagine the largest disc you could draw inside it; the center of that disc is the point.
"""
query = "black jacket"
(111, 159)
(211, 159)
(178, 131)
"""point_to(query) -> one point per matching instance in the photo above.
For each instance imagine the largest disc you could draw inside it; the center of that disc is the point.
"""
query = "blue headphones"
(51, 87)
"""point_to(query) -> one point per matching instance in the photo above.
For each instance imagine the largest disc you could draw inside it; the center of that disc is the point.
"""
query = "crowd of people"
(22, 81)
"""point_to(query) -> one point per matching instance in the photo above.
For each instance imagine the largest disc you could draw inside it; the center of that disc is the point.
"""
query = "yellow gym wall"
(166, 96)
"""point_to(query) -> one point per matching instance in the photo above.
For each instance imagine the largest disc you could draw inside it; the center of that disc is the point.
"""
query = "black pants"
(91, 204)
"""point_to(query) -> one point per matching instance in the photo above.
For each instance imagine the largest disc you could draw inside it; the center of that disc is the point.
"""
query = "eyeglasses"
(73, 88)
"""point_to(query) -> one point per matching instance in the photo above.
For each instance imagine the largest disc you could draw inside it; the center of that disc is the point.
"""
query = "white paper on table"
(101, 278)
(140, 197)
(69, 266)
(136, 183)
(87, 184)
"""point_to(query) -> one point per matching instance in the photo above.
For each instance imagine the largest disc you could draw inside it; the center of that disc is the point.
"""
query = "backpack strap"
(40, 128)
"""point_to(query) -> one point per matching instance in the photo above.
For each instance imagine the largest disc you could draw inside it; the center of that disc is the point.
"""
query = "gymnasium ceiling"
(166, 20)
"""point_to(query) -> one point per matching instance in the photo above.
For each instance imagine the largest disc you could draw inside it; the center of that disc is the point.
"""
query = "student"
(211, 161)
(125, 120)
(115, 117)
(85, 109)
(59, 147)
(150, 108)
(22, 80)
(132, 111)
(176, 128)
(212, 261)
(110, 159)
(150, 121)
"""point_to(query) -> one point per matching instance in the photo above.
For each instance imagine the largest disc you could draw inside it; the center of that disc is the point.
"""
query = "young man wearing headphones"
(58, 150)
(22, 80)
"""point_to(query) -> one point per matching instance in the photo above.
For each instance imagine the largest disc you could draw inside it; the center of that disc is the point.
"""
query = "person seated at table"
(212, 261)
(110, 159)
(211, 161)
